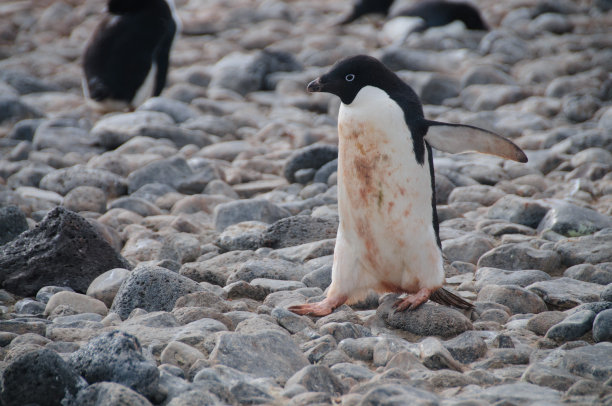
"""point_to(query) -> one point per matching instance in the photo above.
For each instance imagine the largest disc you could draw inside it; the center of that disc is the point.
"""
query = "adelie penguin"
(126, 60)
(433, 13)
(388, 238)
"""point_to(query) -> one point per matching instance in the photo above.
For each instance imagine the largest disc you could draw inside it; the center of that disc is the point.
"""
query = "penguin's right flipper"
(456, 138)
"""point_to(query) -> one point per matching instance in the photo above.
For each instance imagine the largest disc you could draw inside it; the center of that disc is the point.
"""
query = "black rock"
(63, 250)
(12, 223)
(117, 357)
(313, 156)
(39, 377)
(296, 230)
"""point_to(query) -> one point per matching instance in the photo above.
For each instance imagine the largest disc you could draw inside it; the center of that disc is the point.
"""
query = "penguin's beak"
(315, 86)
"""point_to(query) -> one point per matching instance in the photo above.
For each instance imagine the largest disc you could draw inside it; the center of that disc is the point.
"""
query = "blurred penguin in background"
(126, 59)
(432, 13)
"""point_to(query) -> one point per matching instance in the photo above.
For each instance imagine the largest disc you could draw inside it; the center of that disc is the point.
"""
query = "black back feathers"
(131, 40)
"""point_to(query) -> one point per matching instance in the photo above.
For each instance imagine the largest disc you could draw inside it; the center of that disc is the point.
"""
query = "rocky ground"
(165, 244)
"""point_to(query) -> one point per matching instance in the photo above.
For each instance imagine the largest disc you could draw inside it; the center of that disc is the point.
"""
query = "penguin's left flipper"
(456, 138)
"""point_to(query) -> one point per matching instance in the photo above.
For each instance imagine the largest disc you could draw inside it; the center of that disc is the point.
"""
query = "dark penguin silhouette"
(388, 235)
(434, 13)
(126, 59)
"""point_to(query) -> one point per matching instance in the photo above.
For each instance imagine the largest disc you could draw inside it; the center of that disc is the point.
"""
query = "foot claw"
(322, 308)
(411, 302)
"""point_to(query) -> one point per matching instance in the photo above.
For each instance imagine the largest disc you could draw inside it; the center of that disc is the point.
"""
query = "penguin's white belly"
(386, 240)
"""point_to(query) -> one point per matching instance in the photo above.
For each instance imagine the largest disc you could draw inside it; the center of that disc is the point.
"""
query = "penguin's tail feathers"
(448, 298)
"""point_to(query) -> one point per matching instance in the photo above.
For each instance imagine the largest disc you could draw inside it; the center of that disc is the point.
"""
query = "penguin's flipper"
(455, 138)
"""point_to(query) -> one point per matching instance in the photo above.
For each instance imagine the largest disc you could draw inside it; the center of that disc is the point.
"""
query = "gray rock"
(227, 151)
(245, 73)
(572, 327)
(324, 172)
(39, 377)
(24, 129)
(151, 288)
(29, 306)
(242, 236)
(179, 248)
(171, 171)
(392, 393)
(14, 110)
(590, 361)
(266, 354)
(152, 191)
(550, 377)
(591, 249)
(64, 180)
(490, 97)
(296, 230)
(306, 252)
(248, 394)
(85, 198)
(435, 356)
(270, 268)
(520, 210)
(44, 294)
(493, 276)
(520, 393)
(65, 135)
(359, 348)
(468, 247)
(519, 256)
(135, 204)
(113, 130)
(63, 250)
(290, 321)
(211, 124)
(117, 357)
(226, 214)
(428, 319)
(178, 110)
(466, 347)
(320, 277)
(602, 326)
(482, 194)
(485, 74)
(574, 221)
(551, 22)
(12, 223)
(606, 294)
(579, 108)
(345, 370)
(565, 293)
(313, 156)
(517, 299)
(540, 323)
(318, 378)
(340, 331)
(600, 274)
(106, 286)
(110, 393)
(216, 270)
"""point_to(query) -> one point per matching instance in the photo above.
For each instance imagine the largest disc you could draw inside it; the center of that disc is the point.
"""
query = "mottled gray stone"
(266, 354)
(63, 250)
(171, 171)
(592, 249)
(547, 376)
(602, 326)
(64, 180)
(466, 347)
(493, 276)
(117, 357)
(38, 377)
(296, 230)
(565, 293)
(518, 256)
(12, 223)
(468, 247)
(540, 323)
(396, 394)
(151, 288)
(517, 299)
(600, 274)
(572, 327)
(110, 393)
(520, 210)
(318, 378)
(226, 214)
(428, 319)
(313, 156)
(574, 221)
(270, 268)
(589, 361)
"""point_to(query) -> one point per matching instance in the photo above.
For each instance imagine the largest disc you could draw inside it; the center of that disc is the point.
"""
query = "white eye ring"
(350, 77)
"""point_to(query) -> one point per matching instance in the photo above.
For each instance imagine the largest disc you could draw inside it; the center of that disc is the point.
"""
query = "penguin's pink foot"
(322, 308)
(413, 301)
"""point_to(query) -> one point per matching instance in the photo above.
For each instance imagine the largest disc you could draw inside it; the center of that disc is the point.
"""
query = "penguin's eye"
(350, 77)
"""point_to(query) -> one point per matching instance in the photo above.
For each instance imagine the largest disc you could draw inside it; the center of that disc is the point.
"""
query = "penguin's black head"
(348, 76)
